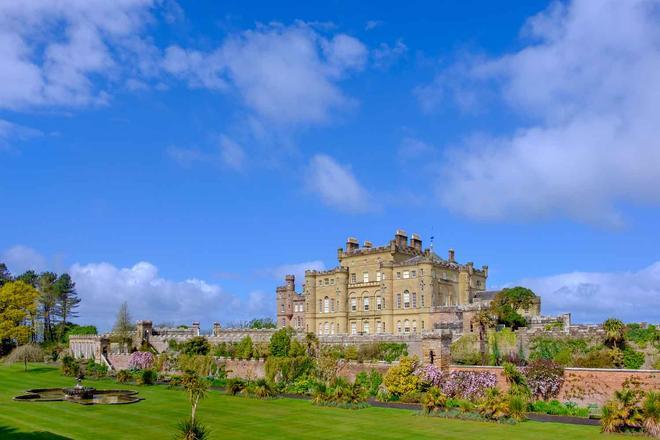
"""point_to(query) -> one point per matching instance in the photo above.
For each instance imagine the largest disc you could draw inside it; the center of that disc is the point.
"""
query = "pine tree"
(67, 300)
(5, 275)
(48, 302)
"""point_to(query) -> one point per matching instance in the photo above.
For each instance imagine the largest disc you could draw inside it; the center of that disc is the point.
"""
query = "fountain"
(80, 394)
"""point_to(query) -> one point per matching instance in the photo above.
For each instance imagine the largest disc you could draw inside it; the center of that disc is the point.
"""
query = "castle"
(398, 288)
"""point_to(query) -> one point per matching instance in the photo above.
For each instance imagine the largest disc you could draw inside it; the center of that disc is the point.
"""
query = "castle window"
(332, 328)
(414, 326)
(406, 274)
(398, 326)
(332, 305)
(327, 328)
(320, 328)
(353, 304)
(414, 300)
(421, 272)
(366, 303)
(398, 275)
(379, 327)
(320, 306)
(422, 324)
(478, 283)
(332, 281)
(365, 277)
(378, 276)
(406, 326)
(421, 299)
(379, 305)
(326, 305)
(365, 327)
(320, 282)
(406, 299)
(282, 307)
(353, 278)
(413, 273)
(398, 300)
(353, 328)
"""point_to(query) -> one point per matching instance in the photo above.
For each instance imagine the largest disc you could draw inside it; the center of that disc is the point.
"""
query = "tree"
(262, 323)
(280, 342)
(48, 302)
(507, 304)
(123, 326)
(196, 387)
(26, 353)
(17, 309)
(67, 299)
(483, 320)
(614, 331)
(5, 275)
(197, 345)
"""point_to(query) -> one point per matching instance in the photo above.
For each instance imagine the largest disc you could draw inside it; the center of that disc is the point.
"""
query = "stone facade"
(398, 288)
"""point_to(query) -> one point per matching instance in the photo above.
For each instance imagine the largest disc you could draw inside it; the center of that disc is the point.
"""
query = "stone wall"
(587, 385)
(119, 361)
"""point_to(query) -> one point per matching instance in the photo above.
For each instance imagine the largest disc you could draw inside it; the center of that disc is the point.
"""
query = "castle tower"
(310, 301)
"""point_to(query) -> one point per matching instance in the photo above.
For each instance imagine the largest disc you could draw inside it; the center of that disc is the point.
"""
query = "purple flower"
(140, 360)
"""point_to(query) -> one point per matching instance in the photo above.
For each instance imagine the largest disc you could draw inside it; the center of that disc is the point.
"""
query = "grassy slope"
(233, 417)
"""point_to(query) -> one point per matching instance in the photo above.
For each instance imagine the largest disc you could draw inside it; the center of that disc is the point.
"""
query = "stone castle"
(399, 288)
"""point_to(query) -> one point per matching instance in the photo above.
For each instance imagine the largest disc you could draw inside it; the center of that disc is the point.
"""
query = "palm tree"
(651, 412)
(196, 387)
(614, 331)
(483, 320)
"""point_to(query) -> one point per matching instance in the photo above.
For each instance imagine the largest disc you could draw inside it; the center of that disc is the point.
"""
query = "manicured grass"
(232, 417)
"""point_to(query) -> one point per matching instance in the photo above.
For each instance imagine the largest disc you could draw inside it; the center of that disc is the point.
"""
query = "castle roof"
(486, 295)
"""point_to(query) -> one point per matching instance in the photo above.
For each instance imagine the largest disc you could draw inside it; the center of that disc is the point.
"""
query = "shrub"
(400, 379)
(70, 366)
(392, 351)
(597, 358)
(517, 406)
(471, 385)
(544, 378)
(556, 408)
(140, 360)
(95, 369)
(288, 369)
(123, 376)
(623, 412)
(191, 429)
(434, 401)
(262, 389)
(494, 406)
(197, 345)
(651, 414)
(146, 377)
(632, 359)
(235, 386)
(371, 382)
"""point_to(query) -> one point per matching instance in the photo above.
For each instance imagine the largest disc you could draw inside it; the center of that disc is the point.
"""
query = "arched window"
(379, 327)
(326, 305)
(332, 328)
(414, 328)
(365, 300)
(320, 328)
(406, 326)
(398, 326)
(327, 328)
(406, 299)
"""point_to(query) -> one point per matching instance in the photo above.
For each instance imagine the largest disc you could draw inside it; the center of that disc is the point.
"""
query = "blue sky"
(184, 156)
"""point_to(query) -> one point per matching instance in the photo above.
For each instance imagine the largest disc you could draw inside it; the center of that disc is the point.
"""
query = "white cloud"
(385, 55)
(231, 153)
(414, 148)
(596, 296)
(337, 186)
(54, 52)
(21, 258)
(589, 84)
(283, 74)
(10, 132)
(296, 269)
(103, 287)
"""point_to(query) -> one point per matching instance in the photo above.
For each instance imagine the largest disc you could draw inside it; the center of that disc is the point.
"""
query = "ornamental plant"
(401, 379)
(471, 385)
(544, 378)
(140, 360)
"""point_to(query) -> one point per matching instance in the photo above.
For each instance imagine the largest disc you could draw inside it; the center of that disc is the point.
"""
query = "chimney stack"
(416, 242)
(401, 238)
(352, 244)
(368, 244)
(451, 256)
(216, 329)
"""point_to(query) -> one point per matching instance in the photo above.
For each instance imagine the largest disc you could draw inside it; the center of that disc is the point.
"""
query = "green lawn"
(233, 417)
